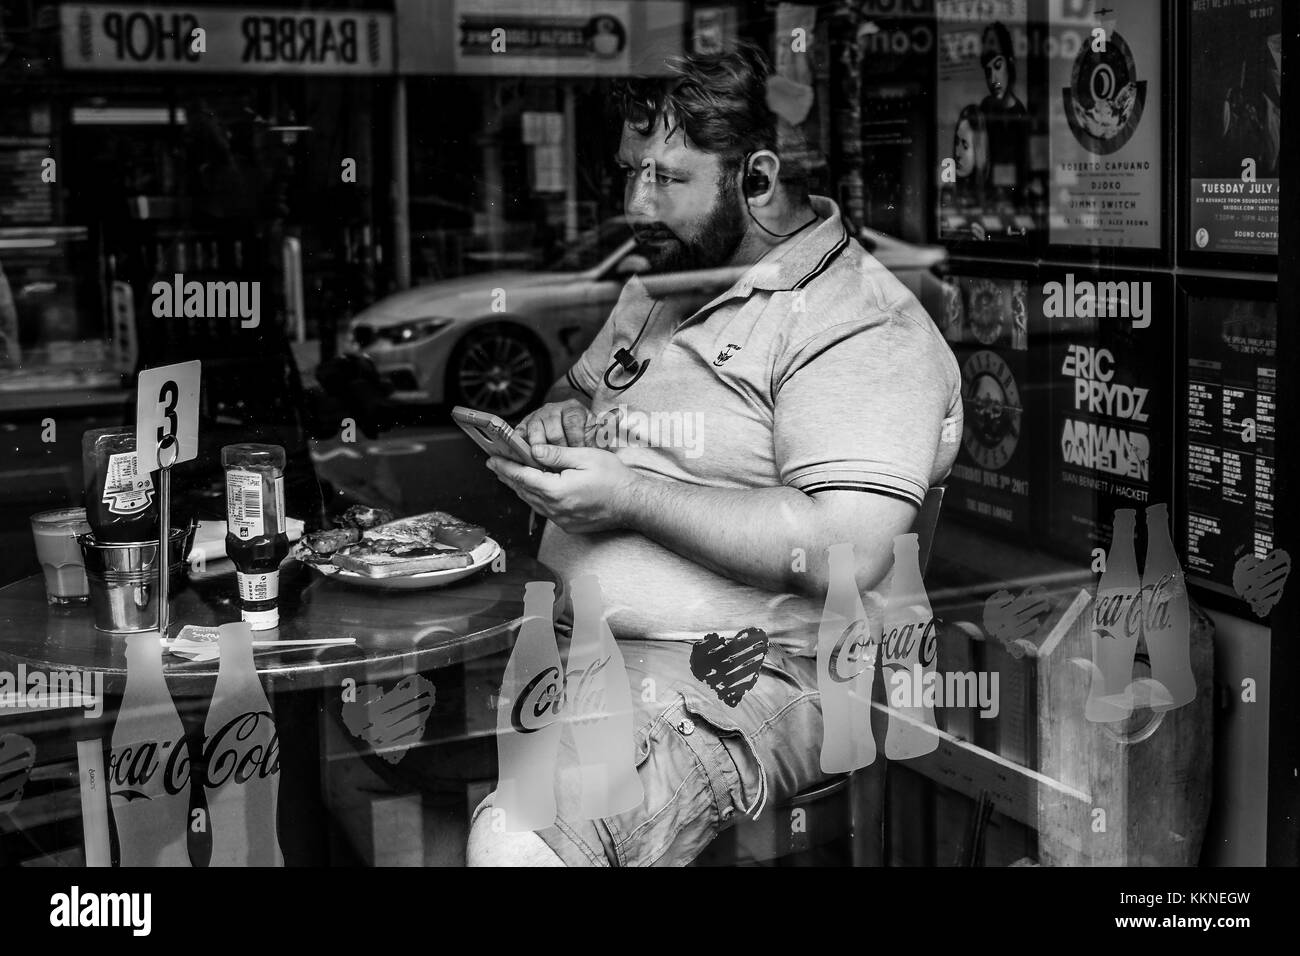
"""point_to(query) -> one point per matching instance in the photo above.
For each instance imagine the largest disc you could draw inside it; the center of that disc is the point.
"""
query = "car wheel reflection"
(498, 370)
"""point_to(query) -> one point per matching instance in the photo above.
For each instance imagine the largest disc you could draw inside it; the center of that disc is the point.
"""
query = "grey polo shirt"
(816, 369)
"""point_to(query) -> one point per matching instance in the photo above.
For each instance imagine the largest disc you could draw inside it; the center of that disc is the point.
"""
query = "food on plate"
(327, 542)
(433, 541)
(438, 526)
(363, 517)
(390, 560)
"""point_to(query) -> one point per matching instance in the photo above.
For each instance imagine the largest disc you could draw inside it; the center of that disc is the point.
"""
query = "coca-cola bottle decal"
(908, 651)
(846, 668)
(149, 764)
(598, 709)
(1167, 619)
(528, 718)
(241, 754)
(1116, 626)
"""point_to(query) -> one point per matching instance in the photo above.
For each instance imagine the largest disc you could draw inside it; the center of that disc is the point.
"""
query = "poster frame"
(1188, 255)
(1127, 257)
(1008, 270)
(1163, 488)
(1026, 249)
(1209, 594)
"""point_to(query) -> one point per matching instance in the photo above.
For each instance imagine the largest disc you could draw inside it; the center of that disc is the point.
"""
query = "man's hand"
(569, 422)
(592, 493)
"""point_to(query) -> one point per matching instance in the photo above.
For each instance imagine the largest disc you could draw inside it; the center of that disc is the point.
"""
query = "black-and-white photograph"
(647, 433)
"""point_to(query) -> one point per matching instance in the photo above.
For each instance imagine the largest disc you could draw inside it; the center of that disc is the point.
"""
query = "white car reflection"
(496, 341)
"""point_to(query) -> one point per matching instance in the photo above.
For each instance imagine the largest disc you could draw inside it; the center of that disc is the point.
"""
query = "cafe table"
(432, 633)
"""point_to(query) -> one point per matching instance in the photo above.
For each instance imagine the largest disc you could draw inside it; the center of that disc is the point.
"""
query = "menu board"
(1231, 430)
(986, 321)
(1110, 358)
(1104, 74)
(1234, 122)
(983, 112)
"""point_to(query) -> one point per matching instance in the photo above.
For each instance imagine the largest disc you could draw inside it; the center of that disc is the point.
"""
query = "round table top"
(396, 632)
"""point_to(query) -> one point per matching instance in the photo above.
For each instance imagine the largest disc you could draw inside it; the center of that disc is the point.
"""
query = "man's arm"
(748, 535)
(562, 391)
(855, 445)
(751, 536)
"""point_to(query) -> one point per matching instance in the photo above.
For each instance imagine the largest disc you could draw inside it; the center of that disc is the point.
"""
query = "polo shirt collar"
(807, 256)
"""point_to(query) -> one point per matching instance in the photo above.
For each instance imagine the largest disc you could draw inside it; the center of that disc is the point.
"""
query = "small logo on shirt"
(726, 354)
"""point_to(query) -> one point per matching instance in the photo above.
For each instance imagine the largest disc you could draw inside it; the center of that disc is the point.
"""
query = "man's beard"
(712, 244)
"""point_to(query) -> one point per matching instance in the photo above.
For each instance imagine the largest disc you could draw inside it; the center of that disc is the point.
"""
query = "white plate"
(480, 558)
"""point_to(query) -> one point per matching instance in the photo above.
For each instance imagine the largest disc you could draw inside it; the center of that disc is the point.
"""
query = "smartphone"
(494, 436)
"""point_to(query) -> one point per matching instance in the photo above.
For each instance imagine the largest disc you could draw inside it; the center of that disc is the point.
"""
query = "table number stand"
(164, 531)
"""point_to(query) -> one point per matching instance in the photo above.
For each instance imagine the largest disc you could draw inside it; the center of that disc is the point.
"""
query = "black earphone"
(754, 182)
(624, 359)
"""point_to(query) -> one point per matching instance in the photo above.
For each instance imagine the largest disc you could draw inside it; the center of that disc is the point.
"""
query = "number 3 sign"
(167, 415)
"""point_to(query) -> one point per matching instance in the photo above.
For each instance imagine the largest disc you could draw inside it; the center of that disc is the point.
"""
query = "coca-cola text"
(541, 695)
(900, 643)
(132, 768)
(852, 653)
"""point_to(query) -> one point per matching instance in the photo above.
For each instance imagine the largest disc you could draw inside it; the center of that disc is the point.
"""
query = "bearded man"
(826, 403)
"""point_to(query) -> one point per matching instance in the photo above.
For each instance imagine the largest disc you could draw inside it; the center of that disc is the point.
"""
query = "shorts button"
(685, 727)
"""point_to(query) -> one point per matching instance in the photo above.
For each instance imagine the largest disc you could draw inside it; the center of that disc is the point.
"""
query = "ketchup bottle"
(255, 528)
(121, 504)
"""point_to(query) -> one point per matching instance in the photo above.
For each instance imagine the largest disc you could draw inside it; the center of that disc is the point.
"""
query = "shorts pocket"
(679, 815)
(728, 753)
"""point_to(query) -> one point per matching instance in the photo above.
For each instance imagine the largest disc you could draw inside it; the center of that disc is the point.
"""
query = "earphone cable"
(779, 235)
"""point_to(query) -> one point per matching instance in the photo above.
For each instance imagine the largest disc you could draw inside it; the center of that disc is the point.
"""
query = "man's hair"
(718, 99)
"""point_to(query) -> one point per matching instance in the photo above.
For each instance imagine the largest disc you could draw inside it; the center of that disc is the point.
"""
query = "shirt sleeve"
(862, 405)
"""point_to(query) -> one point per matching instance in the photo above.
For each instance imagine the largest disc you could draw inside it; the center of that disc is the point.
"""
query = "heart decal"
(390, 722)
(789, 99)
(1011, 619)
(1260, 581)
(17, 756)
(730, 665)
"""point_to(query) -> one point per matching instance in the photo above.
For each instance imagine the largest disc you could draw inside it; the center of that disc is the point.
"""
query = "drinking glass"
(58, 551)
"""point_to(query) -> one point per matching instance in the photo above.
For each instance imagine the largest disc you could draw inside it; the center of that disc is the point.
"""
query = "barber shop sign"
(224, 40)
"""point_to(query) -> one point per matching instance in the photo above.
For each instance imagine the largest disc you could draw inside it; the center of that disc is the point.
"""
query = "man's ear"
(761, 177)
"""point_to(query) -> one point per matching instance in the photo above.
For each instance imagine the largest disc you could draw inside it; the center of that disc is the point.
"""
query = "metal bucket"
(123, 578)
